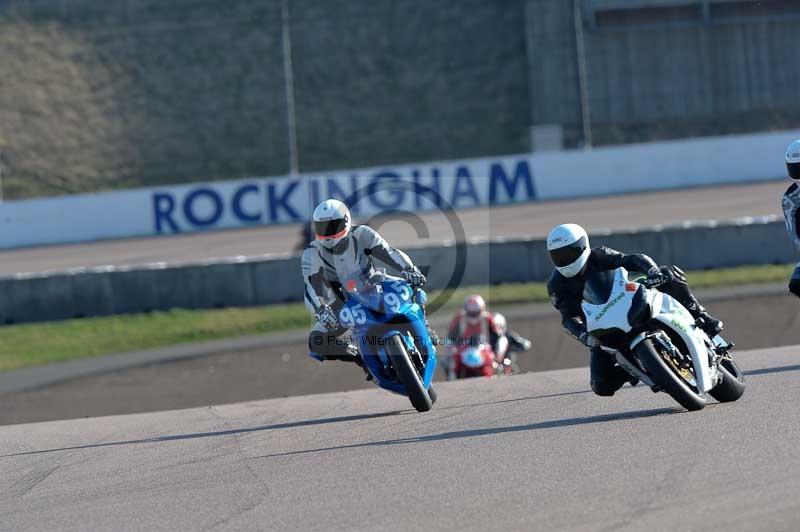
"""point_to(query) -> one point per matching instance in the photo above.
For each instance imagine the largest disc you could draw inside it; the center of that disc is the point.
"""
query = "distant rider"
(791, 208)
(516, 342)
(473, 325)
(339, 252)
(568, 246)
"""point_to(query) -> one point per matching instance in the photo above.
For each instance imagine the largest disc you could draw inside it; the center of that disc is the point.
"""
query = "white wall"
(462, 184)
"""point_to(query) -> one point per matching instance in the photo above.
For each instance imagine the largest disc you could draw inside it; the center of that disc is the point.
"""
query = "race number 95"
(350, 317)
(394, 301)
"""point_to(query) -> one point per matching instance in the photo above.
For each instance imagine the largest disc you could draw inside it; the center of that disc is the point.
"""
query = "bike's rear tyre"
(667, 379)
(732, 386)
(407, 374)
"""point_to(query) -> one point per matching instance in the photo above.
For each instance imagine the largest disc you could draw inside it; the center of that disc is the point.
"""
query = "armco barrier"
(270, 279)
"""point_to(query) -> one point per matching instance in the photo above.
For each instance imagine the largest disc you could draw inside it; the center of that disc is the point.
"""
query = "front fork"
(719, 349)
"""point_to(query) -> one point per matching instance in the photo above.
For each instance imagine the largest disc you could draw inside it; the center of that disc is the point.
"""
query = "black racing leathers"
(566, 293)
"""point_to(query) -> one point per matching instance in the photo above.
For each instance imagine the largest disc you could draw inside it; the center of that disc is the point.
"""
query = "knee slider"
(603, 389)
(794, 286)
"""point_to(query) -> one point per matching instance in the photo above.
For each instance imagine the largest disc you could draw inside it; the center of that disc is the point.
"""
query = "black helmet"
(793, 160)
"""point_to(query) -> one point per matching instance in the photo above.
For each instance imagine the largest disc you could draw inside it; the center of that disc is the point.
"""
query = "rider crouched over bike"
(568, 246)
(339, 252)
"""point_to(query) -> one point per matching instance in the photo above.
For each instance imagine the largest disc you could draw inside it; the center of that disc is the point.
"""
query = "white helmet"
(569, 249)
(501, 323)
(793, 160)
(332, 222)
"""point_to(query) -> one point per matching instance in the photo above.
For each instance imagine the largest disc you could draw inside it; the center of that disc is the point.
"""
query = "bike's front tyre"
(433, 395)
(407, 374)
(732, 386)
(667, 379)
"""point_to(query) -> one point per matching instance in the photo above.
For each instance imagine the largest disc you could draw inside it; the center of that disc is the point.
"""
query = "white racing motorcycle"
(655, 339)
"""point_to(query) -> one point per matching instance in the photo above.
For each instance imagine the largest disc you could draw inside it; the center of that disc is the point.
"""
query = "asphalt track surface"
(532, 452)
(532, 219)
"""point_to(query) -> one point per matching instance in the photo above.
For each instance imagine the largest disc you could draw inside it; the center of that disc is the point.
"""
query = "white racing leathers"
(791, 211)
(325, 270)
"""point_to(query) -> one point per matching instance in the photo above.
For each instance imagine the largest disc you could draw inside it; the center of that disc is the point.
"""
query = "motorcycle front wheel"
(407, 375)
(433, 395)
(668, 378)
(732, 386)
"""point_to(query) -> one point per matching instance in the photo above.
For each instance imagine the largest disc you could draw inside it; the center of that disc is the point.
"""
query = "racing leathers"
(791, 213)
(324, 272)
(566, 295)
(463, 334)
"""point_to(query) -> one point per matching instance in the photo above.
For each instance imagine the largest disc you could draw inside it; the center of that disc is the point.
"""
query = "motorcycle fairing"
(378, 312)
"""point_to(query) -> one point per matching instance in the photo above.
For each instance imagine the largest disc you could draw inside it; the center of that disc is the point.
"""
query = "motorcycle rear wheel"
(407, 374)
(667, 379)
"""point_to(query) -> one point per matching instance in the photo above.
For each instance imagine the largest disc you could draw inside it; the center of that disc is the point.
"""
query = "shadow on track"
(767, 371)
(570, 422)
(178, 437)
(296, 424)
(518, 399)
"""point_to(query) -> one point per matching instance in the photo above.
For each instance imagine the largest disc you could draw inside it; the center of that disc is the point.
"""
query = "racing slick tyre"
(667, 378)
(407, 375)
(732, 386)
(433, 395)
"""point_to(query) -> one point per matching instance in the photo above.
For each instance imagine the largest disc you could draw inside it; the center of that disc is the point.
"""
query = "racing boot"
(360, 363)
(708, 323)
(354, 356)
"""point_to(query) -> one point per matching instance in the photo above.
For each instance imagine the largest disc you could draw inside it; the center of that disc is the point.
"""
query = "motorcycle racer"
(568, 247)
(515, 341)
(473, 325)
(791, 208)
(339, 251)
(507, 361)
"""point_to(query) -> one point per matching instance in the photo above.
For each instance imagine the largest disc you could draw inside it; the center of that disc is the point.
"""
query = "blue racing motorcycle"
(387, 322)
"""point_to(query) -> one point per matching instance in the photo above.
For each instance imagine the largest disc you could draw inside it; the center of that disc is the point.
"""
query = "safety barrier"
(276, 279)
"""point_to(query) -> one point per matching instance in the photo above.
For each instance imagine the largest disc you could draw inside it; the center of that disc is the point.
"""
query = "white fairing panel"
(614, 312)
(677, 318)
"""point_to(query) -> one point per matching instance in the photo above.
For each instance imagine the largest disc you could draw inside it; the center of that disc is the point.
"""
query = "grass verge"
(43, 343)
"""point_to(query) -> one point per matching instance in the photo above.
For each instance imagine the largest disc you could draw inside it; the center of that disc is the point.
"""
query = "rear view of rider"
(569, 250)
(515, 341)
(339, 252)
(791, 208)
(472, 326)
(475, 322)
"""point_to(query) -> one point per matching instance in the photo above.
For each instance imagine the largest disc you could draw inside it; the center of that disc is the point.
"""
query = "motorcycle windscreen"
(598, 287)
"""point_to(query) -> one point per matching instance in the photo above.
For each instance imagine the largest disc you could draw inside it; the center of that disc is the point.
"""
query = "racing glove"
(414, 277)
(327, 317)
(588, 340)
(658, 276)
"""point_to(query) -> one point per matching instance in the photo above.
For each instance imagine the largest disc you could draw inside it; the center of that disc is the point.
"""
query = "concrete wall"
(431, 186)
(666, 68)
(261, 281)
(130, 93)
